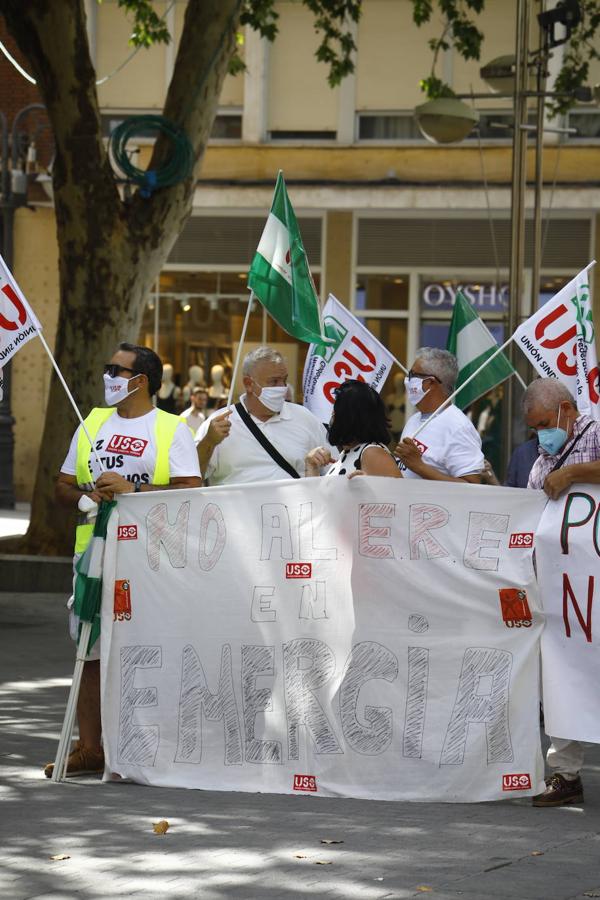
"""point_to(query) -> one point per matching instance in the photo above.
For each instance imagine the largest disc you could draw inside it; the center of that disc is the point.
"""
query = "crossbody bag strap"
(568, 452)
(265, 442)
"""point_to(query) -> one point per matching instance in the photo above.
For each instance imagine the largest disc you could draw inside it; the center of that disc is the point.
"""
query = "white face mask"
(414, 389)
(272, 397)
(115, 389)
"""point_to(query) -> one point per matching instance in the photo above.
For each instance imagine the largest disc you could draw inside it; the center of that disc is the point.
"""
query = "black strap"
(265, 442)
(571, 448)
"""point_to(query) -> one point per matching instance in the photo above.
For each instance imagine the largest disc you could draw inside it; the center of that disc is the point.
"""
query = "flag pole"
(62, 751)
(71, 399)
(398, 363)
(239, 350)
(449, 399)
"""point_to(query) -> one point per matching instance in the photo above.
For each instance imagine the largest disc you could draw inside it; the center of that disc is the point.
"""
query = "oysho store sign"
(485, 297)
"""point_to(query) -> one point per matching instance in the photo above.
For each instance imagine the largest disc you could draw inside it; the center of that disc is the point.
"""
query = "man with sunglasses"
(137, 448)
(448, 448)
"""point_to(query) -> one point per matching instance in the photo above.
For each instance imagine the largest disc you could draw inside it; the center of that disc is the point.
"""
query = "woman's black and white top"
(350, 460)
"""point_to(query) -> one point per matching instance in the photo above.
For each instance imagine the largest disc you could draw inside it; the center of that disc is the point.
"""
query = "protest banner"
(369, 638)
(559, 341)
(18, 323)
(352, 353)
(567, 551)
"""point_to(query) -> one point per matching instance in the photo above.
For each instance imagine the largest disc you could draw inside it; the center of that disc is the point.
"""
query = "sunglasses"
(113, 369)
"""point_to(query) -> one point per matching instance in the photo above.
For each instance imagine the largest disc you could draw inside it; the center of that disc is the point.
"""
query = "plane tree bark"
(110, 251)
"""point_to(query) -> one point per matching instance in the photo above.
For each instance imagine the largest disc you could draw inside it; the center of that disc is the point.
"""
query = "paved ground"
(14, 521)
(249, 846)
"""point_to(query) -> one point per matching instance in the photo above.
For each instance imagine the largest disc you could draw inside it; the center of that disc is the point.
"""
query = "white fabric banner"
(567, 550)
(559, 341)
(371, 638)
(18, 323)
(355, 353)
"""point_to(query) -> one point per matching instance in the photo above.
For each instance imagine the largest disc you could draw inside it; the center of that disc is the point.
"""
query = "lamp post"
(566, 14)
(14, 183)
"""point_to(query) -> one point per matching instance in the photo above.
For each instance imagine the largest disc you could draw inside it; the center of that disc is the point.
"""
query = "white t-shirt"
(128, 447)
(193, 418)
(240, 459)
(449, 443)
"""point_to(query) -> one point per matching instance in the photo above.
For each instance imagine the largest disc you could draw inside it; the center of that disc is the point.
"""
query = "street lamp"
(14, 182)
(509, 76)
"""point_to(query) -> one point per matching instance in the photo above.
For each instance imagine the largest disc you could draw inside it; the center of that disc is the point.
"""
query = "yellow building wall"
(141, 82)
(299, 97)
(37, 275)
(392, 56)
(338, 255)
(412, 164)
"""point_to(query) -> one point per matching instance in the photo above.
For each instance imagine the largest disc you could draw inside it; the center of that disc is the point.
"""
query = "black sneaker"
(560, 791)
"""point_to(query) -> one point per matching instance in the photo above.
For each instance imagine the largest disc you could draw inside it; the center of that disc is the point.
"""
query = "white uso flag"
(18, 323)
(558, 341)
(354, 353)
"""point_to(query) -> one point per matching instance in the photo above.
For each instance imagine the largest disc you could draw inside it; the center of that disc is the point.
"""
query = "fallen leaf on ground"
(160, 827)
(329, 841)
(59, 856)
(424, 888)
(595, 893)
(379, 879)
(300, 855)
(323, 862)
(537, 853)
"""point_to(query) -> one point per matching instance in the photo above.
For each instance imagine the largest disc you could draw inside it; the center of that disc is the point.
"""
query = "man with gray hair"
(263, 437)
(569, 453)
(449, 447)
(569, 442)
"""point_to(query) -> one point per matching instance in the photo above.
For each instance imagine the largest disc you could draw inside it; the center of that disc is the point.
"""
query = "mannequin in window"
(168, 393)
(216, 391)
(196, 379)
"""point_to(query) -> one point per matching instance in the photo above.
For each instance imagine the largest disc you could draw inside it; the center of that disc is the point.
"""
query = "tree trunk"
(110, 252)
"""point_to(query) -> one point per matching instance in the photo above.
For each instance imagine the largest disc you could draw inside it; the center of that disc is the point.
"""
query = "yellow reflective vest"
(164, 432)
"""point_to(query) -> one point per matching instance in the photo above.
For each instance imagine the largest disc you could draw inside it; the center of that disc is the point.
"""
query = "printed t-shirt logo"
(127, 445)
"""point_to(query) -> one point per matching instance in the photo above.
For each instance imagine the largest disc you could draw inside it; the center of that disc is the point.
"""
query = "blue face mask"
(553, 439)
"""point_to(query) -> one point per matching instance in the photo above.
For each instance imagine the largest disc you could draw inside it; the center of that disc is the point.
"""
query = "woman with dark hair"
(359, 429)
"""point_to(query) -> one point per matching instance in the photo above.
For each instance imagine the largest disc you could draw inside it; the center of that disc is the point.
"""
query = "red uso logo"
(129, 446)
(8, 324)
(305, 783)
(298, 570)
(522, 539)
(127, 533)
(520, 782)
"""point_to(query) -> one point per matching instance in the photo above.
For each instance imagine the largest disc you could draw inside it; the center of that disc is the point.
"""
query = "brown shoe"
(560, 791)
(81, 762)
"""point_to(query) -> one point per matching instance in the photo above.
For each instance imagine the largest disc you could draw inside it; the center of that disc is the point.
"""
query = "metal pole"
(539, 175)
(518, 183)
(7, 442)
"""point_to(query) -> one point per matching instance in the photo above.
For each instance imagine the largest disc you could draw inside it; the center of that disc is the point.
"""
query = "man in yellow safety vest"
(137, 448)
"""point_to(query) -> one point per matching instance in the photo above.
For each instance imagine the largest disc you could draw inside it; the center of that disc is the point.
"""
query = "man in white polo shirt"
(448, 448)
(229, 451)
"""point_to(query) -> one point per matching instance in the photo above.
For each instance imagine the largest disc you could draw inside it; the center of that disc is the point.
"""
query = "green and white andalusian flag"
(472, 343)
(280, 276)
(88, 583)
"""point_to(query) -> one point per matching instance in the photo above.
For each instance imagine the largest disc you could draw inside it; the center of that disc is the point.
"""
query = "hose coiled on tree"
(177, 167)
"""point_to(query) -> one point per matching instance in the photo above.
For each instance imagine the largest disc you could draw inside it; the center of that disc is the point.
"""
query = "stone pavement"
(249, 846)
